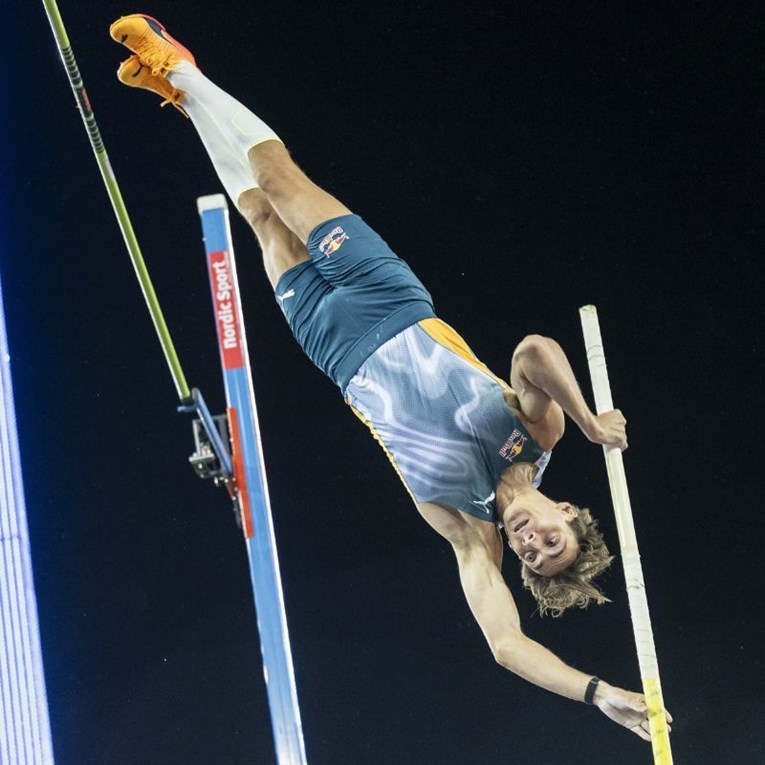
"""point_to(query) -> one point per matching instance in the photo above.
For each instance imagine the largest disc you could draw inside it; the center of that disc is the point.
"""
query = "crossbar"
(115, 197)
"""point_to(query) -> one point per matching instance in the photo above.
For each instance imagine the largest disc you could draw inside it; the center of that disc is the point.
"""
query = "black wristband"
(589, 694)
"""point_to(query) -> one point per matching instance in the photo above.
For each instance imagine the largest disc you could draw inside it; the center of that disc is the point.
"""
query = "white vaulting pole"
(633, 571)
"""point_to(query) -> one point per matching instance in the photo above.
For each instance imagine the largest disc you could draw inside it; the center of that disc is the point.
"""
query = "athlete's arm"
(478, 547)
(543, 380)
(493, 606)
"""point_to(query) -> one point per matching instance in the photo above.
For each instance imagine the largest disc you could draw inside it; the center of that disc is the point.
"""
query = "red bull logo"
(513, 446)
(333, 241)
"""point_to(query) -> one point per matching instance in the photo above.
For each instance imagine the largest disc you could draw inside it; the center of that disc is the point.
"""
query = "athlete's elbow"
(507, 651)
(534, 350)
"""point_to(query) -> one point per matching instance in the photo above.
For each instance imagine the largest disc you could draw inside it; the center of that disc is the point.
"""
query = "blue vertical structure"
(24, 725)
(250, 481)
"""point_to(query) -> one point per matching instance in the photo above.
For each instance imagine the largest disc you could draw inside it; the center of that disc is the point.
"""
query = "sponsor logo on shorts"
(333, 241)
(513, 446)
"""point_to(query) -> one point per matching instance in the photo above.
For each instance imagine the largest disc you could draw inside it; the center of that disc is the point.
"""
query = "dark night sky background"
(525, 158)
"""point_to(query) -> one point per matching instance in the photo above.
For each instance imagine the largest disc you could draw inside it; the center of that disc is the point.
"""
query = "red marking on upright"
(241, 478)
(226, 314)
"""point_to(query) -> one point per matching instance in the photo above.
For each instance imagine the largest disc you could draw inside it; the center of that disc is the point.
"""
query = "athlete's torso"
(442, 417)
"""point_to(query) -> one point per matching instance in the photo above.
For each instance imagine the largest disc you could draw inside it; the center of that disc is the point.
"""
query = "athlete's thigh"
(299, 202)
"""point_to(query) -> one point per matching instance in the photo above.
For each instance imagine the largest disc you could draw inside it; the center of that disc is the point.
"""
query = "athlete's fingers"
(641, 732)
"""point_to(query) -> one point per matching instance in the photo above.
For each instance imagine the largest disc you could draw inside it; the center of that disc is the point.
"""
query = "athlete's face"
(540, 533)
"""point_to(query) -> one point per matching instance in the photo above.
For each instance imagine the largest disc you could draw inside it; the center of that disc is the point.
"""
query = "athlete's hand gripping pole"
(633, 572)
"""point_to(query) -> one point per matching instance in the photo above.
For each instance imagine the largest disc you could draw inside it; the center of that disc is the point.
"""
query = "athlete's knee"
(254, 206)
(273, 167)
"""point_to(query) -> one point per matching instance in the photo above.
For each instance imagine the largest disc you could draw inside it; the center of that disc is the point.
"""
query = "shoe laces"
(159, 64)
(175, 100)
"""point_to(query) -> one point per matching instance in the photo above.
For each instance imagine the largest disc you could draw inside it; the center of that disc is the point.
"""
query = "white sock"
(231, 165)
(240, 127)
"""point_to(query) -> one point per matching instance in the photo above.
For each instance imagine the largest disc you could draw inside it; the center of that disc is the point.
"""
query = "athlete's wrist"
(589, 425)
(601, 693)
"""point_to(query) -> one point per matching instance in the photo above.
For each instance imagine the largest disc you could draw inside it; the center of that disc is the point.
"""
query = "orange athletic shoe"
(147, 38)
(135, 74)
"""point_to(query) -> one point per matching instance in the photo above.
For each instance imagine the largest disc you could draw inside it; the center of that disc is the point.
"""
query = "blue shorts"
(350, 298)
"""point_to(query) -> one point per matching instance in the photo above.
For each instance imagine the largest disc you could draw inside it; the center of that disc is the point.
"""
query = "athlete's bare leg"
(233, 136)
(280, 247)
(299, 202)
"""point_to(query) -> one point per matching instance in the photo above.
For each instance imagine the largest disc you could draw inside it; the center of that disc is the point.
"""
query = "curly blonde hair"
(573, 586)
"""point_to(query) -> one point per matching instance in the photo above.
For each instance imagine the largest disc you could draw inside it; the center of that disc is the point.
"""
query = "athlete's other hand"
(609, 429)
(626, 708)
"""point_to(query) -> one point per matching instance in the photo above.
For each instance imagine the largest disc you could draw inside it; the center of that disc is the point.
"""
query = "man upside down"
(469, 448)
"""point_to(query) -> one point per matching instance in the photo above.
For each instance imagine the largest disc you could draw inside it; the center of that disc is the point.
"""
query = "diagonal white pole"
(633, 571)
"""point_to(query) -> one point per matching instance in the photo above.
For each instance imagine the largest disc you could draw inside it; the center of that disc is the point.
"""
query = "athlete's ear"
(567, 509)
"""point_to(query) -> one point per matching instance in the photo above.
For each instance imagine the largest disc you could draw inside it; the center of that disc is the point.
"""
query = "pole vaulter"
(363, 317)
(244, 475)
(633, 571)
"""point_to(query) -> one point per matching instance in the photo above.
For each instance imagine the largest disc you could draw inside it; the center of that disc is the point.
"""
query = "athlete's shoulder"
(459, 528)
